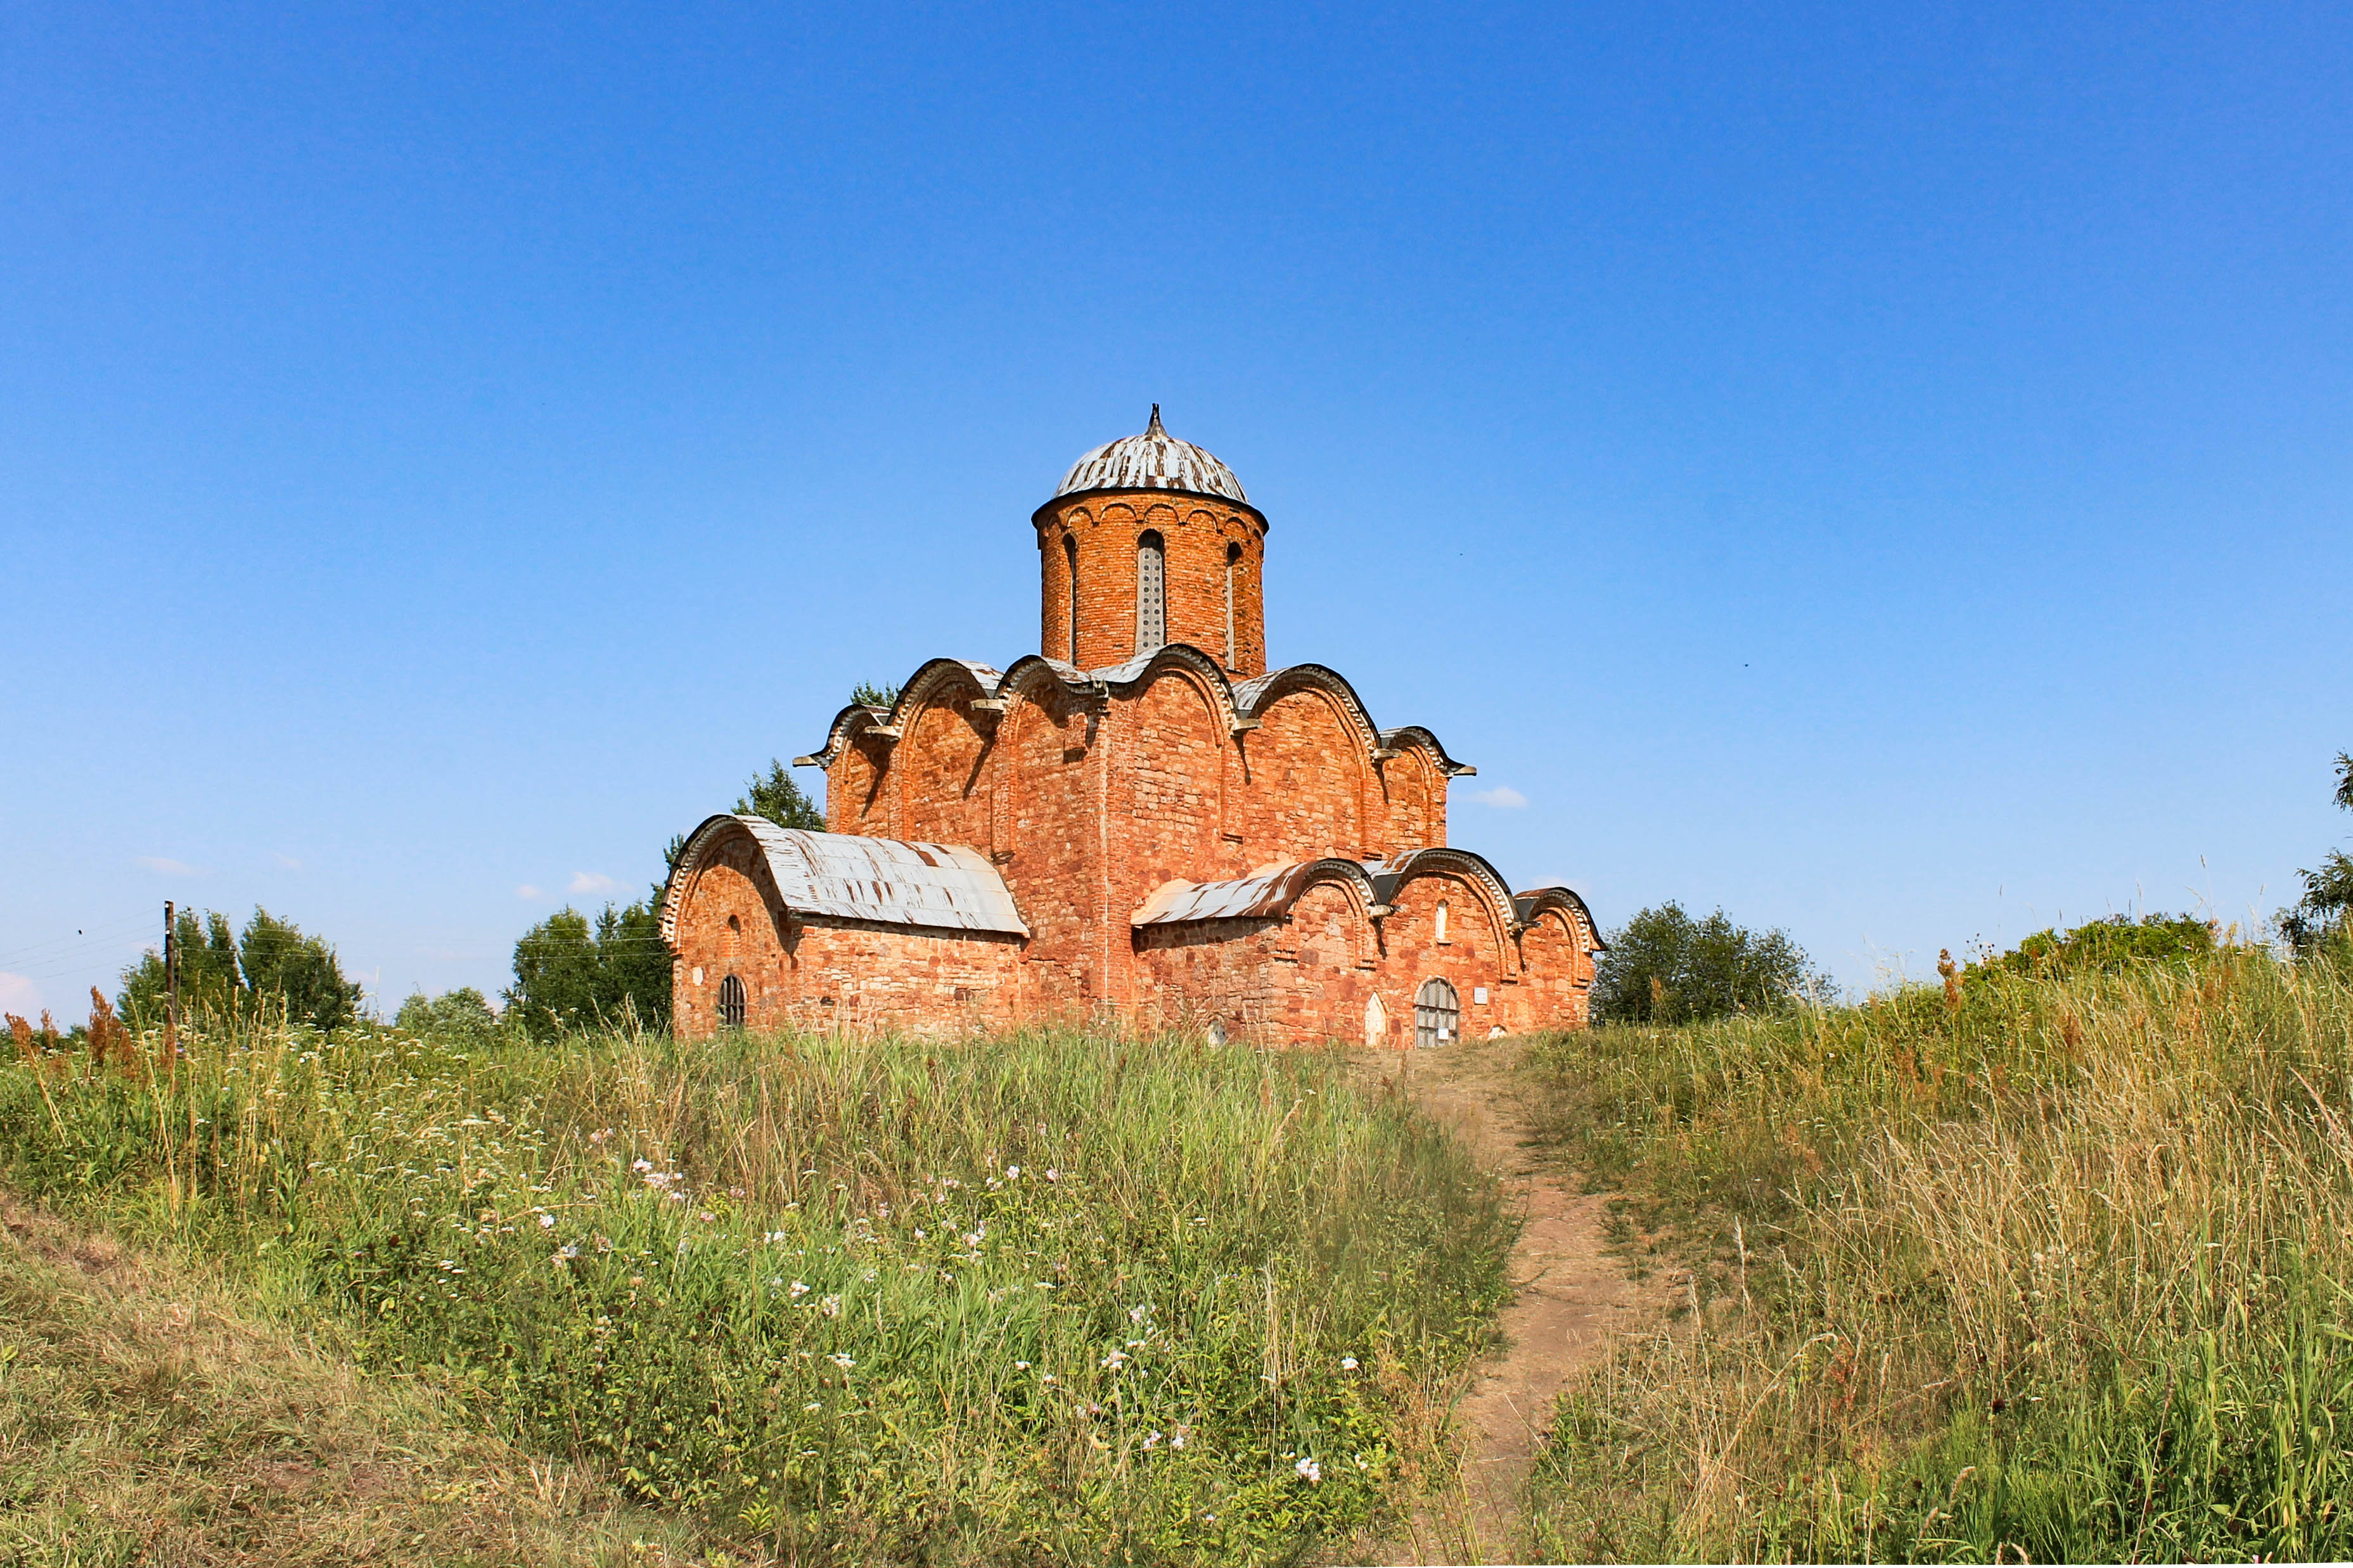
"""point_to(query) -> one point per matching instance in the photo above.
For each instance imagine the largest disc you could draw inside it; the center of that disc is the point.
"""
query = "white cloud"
(167, 866)
(1502, 795)
(528, 891)
(589, 882)
(288, 862)
(19, 996)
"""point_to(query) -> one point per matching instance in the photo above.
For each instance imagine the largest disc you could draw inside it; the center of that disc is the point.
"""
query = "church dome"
(1155, 460)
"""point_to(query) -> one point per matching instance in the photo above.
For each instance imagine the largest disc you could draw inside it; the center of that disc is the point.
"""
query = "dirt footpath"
(1569, 1296)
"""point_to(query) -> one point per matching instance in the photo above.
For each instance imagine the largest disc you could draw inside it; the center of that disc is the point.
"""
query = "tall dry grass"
(2043, 1267)
(1047, 1297)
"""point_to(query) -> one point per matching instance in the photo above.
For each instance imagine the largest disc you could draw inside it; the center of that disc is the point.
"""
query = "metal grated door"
(732, 1007)
(1436, 1014)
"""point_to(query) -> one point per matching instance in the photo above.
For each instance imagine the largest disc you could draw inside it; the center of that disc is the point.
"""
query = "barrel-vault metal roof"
(850, 877)
(1155, 460)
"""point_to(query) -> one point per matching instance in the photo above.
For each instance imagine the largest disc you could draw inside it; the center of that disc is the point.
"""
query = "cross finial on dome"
(1153, 428)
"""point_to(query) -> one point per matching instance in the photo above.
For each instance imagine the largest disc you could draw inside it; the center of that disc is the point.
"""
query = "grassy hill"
(147, 1414)
(2043, 1264)
(1053, 1297)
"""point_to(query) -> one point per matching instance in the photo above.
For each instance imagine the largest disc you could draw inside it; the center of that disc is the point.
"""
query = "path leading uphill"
(1568, 1295)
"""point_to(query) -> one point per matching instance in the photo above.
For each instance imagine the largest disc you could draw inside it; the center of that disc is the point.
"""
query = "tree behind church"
(771, 794)
(570, 974)
(272, 964)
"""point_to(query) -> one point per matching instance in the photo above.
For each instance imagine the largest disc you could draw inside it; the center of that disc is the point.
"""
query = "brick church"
(1141, 820)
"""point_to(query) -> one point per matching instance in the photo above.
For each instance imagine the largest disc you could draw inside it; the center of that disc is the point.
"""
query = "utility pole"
(171, 992)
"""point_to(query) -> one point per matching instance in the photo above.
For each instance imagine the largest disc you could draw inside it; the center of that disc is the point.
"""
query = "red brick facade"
(1091, 785)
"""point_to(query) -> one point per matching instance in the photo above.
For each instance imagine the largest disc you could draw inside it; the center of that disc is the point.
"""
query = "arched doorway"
(1436, 1014)
(732, 1004)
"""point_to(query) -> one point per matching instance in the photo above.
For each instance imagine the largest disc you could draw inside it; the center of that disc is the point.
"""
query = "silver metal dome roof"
(1155, 460)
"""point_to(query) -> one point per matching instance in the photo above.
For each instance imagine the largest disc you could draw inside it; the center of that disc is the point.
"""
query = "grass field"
(2050, 1266)
(1053, 1297)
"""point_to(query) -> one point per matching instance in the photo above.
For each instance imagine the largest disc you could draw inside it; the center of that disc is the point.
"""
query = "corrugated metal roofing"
(1155, 460)
(1269, 892)
(856, 878)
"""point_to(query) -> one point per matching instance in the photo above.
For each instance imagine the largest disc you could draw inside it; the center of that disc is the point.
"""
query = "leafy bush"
(1049, 1298)
(1663, 966)
(2054, 1264)
(462, 1016)
(2108, 944)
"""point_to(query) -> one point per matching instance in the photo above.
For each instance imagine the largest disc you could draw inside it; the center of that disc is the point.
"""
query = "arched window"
(1377, 1021)
(1233, 565)
(1441, 919)
(1070, 559)
(734, 936)
(1436, 1014)
(732, 1004)
(1151, 593)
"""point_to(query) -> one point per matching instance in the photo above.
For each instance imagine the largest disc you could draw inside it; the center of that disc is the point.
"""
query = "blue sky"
(1881, 470)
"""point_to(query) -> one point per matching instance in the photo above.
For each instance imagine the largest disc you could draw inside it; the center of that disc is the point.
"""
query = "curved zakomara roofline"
(1240, 703)
(1535, 900)
(843, 876)
(1468, 865)
(1398, 739)
(1038, 518)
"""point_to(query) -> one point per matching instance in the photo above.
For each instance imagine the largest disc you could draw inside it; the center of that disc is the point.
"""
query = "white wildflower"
(1347, 1363)
(841, 1359)
(547, 1222)
(1309, 1470)
(829, 1306)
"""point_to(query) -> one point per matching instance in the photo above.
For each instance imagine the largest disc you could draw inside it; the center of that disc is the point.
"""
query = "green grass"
(2057, 1267)
(1044, 1297)
(145, 1416)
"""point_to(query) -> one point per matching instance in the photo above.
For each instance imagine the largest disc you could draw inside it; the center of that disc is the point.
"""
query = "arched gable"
(1413, 792)
(726, 844)
(1571, 909)
(939, 764)
(1308, 778)
(1172, 776)
(1252, 698)
(1472, 872)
